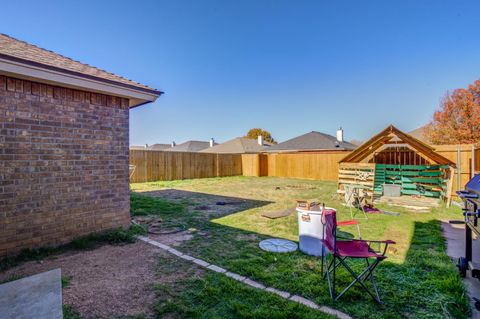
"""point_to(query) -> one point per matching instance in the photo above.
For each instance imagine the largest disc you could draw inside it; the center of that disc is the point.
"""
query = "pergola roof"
(385, 137)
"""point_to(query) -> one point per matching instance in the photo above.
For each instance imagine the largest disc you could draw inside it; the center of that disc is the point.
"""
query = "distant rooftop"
(239, 145)
(159, 147)
(137, 147)
(190, 146)
(312, 141)
(420, 134)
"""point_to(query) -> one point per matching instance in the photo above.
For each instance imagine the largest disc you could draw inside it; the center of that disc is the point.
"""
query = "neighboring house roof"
(190, 146)
(159, 147)
(22, 58)
(313, 141)
(420, 134)
(389, 135)
(356, 142)
(239, 145)
(138, 147)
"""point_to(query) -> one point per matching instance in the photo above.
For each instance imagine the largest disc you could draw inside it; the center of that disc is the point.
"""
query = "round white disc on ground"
(277, 245)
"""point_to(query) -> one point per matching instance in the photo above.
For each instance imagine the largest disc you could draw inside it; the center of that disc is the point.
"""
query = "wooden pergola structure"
(394, 157)
(392, 136)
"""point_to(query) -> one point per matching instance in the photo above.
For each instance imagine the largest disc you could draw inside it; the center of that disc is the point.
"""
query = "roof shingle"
(11, 48)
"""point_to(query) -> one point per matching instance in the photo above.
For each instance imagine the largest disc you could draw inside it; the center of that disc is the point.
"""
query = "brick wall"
(63, 164)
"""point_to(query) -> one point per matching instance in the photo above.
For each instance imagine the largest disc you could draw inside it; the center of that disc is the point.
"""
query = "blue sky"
(287, 66)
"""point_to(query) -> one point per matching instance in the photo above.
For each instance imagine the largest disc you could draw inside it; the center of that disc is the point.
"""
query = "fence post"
(459, 169)
(473, 161)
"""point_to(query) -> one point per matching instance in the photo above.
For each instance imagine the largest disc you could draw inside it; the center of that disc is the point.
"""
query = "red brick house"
(63, 147)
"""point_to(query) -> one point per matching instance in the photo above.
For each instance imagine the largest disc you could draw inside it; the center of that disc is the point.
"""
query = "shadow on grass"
(173, 201)
(425, 285)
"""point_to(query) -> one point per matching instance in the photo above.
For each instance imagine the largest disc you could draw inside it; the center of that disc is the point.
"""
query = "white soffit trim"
(34, 73)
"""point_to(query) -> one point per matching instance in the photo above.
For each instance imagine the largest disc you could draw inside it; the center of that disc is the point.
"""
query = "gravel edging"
(252, 283)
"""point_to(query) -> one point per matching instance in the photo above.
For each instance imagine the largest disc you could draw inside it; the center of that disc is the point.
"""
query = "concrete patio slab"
(455, 236)
(38, 296)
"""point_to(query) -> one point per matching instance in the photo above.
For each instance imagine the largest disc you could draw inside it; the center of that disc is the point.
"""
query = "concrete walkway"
(246, 280)
(455, 236)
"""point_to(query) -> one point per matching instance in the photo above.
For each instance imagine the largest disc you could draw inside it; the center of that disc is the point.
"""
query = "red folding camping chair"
(342, 250)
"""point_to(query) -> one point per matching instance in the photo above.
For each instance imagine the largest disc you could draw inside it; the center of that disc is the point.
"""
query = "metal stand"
(354, 199)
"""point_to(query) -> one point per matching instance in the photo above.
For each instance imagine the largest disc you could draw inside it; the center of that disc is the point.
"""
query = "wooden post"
(459, 169)
(473, 161)
(450, 186)
(257, 171)
(145, 158)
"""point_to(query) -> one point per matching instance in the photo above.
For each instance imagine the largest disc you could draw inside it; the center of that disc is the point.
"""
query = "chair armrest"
(385, 242)
(388, 241)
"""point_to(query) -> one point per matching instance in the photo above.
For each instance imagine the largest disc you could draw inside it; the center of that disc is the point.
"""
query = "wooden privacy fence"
(160, 165)
(319, 165)
(166, 166)
(451, 152)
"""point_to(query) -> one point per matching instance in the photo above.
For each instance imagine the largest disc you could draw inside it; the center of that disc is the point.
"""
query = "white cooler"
(310, 230)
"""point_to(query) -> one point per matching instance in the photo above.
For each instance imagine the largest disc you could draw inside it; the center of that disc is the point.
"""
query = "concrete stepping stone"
(201, 262)
(304, 301)
(254, 283)
(277, 245)
(235, 276)
(217, 269)
(281, 293)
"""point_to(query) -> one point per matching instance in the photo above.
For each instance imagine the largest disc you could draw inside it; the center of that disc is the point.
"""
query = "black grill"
(471, 200)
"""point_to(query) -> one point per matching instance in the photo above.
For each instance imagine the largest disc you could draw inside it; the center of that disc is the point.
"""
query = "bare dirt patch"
(210, 205)
(173, 239)
(109, 281)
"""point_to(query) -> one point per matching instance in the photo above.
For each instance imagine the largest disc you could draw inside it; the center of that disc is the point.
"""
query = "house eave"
(32, 71)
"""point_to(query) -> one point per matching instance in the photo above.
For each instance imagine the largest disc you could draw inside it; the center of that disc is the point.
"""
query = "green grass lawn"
(418, 280)
(212, 295)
